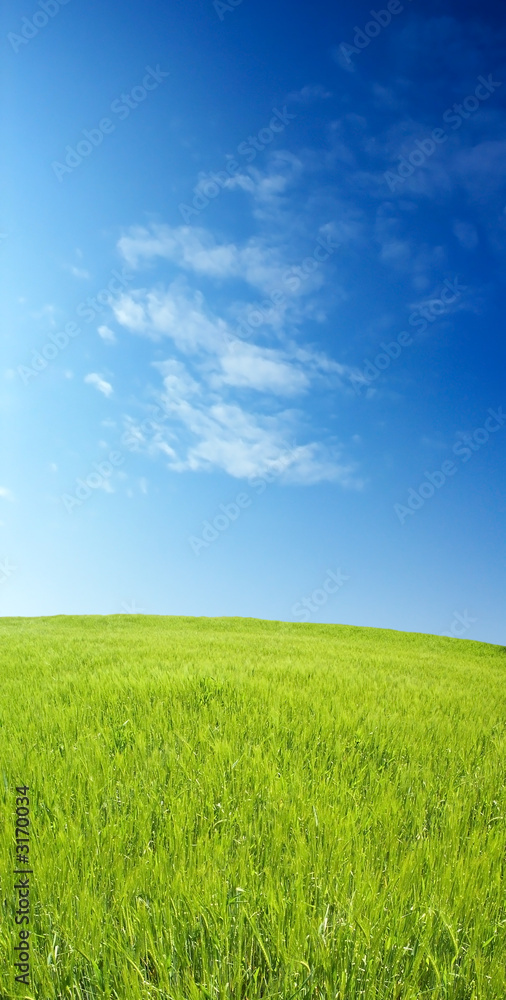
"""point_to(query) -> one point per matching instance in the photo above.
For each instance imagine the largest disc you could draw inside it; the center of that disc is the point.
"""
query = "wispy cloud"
(106, 334)
(249, 366)
(195, 250)
(216, 435)
(210, 397)
(80, 272)
(226, 399)
(104, 387)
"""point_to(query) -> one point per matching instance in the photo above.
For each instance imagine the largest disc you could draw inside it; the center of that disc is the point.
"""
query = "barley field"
(233, 808)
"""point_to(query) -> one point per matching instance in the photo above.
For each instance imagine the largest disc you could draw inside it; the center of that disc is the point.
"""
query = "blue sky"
(253, 361)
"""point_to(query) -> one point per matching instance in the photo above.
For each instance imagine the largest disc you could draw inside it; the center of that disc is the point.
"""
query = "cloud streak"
(226, 400)
(100, 384)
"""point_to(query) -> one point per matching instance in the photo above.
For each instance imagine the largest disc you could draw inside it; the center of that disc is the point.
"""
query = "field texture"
(231, 808)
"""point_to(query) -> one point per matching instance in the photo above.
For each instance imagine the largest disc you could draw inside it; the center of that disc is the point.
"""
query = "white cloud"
(191, 248)
(319, 363)
(227, 437)
(194, 249)
(6, 494)
(221, 356)
(225, 396)
(269, 189)
(129, 313)
(80, 272)
(104, 387)
(213, 433)
(214, 420)
(177, 381)
(176, 311)
(248, 366)
(106, 334)
(172, 312)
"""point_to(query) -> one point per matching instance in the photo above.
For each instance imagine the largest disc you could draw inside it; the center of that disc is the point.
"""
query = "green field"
(233, 808)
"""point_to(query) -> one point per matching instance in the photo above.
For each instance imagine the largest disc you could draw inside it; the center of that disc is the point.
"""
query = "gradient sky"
(215, 219)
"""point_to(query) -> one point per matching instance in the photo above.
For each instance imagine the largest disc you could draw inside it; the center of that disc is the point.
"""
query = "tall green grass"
(232, 808)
